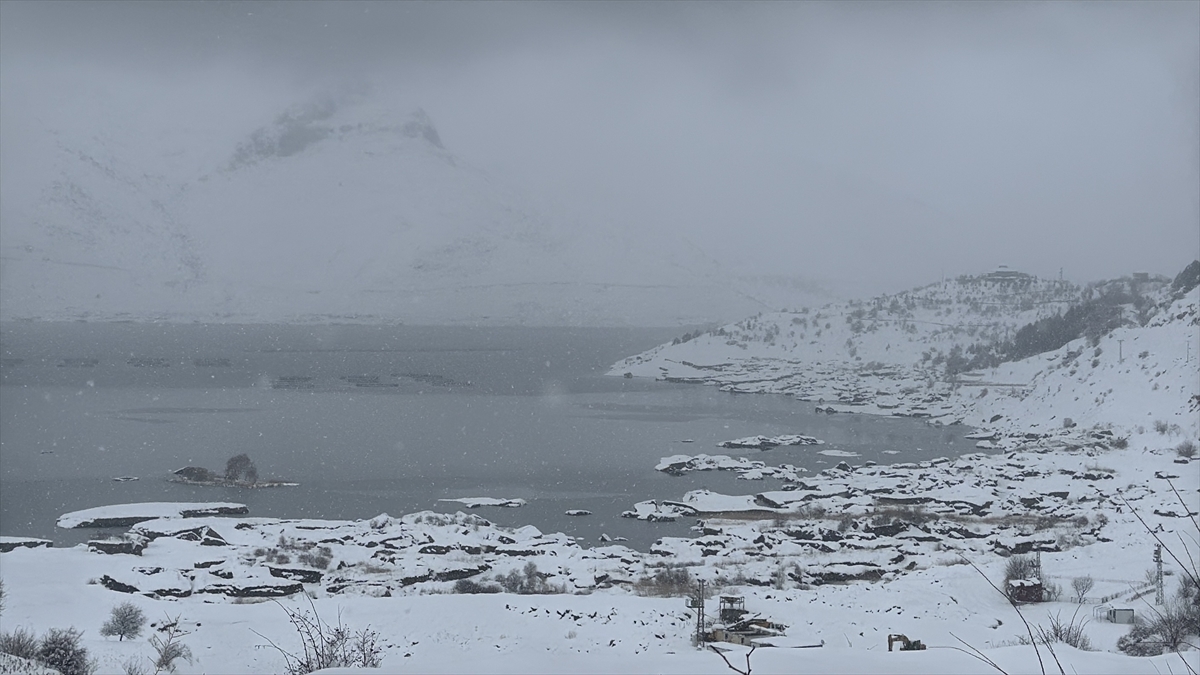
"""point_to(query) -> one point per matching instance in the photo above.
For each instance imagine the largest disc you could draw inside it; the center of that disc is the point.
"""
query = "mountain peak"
(327, 117)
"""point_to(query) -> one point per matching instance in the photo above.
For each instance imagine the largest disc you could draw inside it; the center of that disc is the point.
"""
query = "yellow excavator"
(906, 645)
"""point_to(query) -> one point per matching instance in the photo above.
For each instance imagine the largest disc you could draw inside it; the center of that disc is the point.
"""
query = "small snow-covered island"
(1068, 542)
(240, 472)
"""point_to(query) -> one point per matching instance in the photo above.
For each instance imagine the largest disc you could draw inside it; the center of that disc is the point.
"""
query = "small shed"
(1120, 615)
(1026, 590)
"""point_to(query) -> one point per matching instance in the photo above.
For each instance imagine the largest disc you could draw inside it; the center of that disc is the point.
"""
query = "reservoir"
(387, 419)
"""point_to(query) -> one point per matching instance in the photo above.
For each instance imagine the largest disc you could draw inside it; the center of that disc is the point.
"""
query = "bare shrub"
(1186, 449)
(669, 582)
(785, 572)
(319, 559)
(470, 586)
(1020, 567)
(1168, 630)
(1161, 426)
(133, 666)
(1171, 627)
(126, 621)
(1067, 632)
(21, 642)
(167, 648)
(325, 645)
(528, 582)
(1081, 586)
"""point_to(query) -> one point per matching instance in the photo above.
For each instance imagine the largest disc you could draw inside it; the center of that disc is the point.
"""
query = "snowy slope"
(342, 207)
(894, 329)
(888, 356)
(1136, 379)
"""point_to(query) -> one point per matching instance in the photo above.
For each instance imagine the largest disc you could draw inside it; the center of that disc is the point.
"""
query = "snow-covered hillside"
(906, 355)
(341, 208)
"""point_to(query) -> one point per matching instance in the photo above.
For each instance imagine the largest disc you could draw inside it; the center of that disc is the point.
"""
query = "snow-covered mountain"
(341, 208)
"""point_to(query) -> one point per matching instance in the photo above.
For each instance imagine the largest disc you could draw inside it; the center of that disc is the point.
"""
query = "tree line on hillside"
(1102, 310)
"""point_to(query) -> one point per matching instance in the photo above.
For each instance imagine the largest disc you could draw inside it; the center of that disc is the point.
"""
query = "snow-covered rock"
(476, 502)
(124, 515)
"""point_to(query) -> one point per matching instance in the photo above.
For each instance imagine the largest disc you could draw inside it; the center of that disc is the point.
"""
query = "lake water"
(385, 419)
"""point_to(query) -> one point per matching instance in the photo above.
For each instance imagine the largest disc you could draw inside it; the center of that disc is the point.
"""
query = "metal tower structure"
(696, 602)
(1158, 575)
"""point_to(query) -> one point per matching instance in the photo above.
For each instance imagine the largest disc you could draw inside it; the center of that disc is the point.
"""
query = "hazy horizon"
(859, 148)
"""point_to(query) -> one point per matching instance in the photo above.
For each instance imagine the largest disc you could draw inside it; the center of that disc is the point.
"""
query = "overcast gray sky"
(877, 141)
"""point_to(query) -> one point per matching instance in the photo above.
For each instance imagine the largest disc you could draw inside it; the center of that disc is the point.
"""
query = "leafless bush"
(1068, 632)
(134, 666)
(21, 642)
(529, 581)
(470, 586)
(1020, 567)
(319, 559)
(669, 582)
(1161, 426)
(1168, 630)
(785, 572)
(1186, 449)
(324, 645)
(167, 647)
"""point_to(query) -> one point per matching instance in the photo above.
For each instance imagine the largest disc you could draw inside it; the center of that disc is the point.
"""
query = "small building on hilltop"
(1003, 274)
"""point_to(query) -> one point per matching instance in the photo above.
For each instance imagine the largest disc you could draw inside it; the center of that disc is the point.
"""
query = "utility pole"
(696, 602)
(1158, 575)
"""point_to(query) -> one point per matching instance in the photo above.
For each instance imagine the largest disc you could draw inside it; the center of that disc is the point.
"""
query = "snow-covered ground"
(842, 558)
(885, 356)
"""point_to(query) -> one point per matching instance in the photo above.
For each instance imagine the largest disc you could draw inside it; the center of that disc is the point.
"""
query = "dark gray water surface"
(384, 419)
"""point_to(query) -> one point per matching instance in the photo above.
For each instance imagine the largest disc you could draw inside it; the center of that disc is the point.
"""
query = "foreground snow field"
(606, 631)
(1080, 459)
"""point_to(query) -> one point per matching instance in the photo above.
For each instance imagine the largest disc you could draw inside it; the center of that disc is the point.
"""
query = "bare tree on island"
(240, 467)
